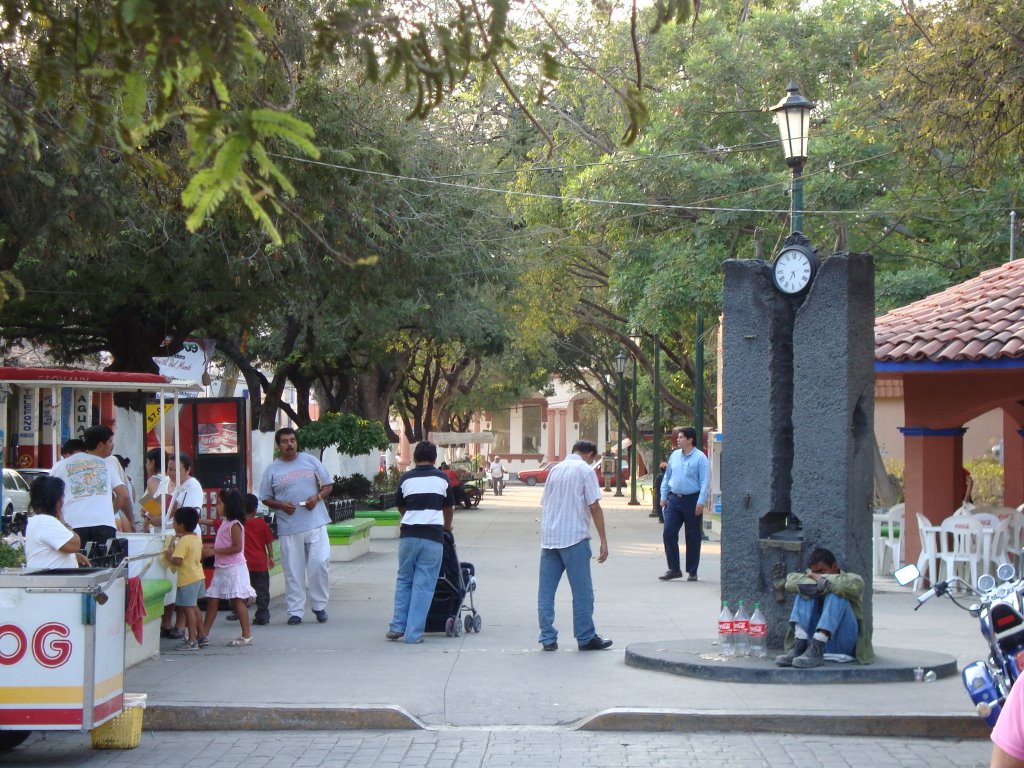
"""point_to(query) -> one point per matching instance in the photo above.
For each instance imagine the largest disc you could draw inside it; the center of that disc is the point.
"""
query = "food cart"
(61, 650)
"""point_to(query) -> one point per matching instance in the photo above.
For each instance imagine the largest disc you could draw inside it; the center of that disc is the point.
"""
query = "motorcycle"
(1000, 613)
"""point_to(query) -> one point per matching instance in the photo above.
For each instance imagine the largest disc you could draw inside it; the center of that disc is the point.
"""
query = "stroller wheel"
(469, 623)
(449, 627)
(458, 626)
(477, 623)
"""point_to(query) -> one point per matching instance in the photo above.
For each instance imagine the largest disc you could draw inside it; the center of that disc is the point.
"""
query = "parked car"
(540, 475)
(533, 476)
(15, 510)
(31, 473)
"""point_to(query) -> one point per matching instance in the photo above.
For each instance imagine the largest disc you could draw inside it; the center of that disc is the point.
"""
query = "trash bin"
(125, 730)
(62, 648)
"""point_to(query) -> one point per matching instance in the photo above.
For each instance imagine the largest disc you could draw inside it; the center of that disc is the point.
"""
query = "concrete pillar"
(562, 434)
(1013, 462)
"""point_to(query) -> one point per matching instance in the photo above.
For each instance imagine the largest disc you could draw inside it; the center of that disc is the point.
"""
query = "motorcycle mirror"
(986, 582)
(1006, 572)
(906, 574)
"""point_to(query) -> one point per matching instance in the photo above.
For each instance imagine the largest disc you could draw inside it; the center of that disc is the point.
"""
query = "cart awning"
(110, 381)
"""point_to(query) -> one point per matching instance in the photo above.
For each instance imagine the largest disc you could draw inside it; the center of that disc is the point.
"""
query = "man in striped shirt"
(425, 501)
(572, 498)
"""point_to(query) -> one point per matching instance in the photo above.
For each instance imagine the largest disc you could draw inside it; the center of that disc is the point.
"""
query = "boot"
(786, 660)
(814, 656)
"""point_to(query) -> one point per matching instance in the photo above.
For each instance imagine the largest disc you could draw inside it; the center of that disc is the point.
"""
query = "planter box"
(386, 523)
(349, 540)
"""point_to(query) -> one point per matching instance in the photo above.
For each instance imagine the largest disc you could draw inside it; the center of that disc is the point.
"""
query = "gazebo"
(959, 353)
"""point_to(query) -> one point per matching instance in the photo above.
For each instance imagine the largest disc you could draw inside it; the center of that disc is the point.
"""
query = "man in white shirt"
(91, 487)
(572, 498)
(497, 475)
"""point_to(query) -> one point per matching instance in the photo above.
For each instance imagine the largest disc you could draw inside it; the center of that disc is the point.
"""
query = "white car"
(15, 502)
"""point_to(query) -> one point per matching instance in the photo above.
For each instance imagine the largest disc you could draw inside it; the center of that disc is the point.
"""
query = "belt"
(681, 495)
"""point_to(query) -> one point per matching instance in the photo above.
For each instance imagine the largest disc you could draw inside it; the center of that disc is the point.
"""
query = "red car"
(533, 476)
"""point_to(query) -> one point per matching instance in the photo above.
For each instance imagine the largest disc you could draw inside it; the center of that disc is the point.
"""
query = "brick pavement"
(494, 748)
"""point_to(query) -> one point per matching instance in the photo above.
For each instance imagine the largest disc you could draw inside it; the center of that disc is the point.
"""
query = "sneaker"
(691, 577)
(669, 575)
(261, 620)
(596, 643)
(814, 656)
(203, 641)
(786, 659)
(188, 645)
(321, 616)
(173, 633)
(552, 646)
(393, 635)
(293, 620)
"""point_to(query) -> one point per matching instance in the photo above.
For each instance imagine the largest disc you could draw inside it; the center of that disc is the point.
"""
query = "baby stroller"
(455, 581)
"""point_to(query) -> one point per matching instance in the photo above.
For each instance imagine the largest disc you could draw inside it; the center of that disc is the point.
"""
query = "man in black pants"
(684, 490)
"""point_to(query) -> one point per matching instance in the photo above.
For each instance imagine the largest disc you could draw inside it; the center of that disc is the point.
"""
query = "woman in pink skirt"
(230, 574)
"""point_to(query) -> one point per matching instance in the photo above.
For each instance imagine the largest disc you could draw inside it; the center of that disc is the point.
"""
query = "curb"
(170, 717)
(688, 721)
(270, 718)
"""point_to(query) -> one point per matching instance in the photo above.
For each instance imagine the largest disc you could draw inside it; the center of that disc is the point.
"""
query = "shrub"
(988, 481)
(355, 486)
(11, 557)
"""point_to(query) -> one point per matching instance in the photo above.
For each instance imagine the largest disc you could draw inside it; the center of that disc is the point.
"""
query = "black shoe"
(261, 620)
(321, 616)
(691, 577)
(293, 620)
(669, 575)
(551, 646)
(173, 633)
(597, 643)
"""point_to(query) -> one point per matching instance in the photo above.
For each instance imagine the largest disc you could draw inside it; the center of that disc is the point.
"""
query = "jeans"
(306, 556)
(260, 581)
(419, 563)
(832, 614)
(681, 512)
(574, 561)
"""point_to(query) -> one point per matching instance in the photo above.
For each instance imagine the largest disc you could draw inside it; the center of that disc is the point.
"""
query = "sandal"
(238, 642)
(203, 641)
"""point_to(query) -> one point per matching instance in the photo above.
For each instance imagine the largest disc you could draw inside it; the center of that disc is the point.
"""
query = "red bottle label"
(725, 628)
(758, 630)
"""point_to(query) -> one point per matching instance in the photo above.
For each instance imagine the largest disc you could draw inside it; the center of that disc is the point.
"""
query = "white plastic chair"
(995, 535)
(927, 561)
(960, 545)
(890, 538)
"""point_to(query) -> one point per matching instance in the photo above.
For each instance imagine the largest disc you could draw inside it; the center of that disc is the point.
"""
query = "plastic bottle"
(740, 627)
(757, 630)
(725, 630)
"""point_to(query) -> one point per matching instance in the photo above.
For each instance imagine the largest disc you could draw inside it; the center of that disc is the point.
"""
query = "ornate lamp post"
(620, 368)
(634, 414)
(793, 116)
(656, 442)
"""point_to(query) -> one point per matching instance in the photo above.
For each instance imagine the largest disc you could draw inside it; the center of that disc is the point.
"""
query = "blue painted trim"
(1020, 432)
(925, 366)
(927, 432)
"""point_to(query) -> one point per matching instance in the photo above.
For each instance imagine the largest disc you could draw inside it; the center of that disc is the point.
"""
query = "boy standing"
(185, 558)
(259, 557)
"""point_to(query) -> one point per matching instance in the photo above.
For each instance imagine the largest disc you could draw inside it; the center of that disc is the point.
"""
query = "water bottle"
(740, 627)
(725, 630)
(757, 630)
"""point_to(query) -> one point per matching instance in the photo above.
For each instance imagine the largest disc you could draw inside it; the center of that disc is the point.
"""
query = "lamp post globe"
(793, 117)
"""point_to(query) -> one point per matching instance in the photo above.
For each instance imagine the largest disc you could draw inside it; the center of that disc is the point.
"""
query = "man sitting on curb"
(827, 615)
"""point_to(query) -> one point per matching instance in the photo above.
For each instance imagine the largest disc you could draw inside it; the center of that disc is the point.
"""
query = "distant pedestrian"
(684, 490)
(571, 499)
(497, 470)
(426, 504)
(230, 575)
(296, 485)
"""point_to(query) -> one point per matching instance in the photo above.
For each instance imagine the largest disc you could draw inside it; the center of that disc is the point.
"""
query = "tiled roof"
(888, 389)
(980, 319)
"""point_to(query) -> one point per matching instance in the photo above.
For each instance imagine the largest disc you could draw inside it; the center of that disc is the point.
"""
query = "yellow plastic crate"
(125, 730)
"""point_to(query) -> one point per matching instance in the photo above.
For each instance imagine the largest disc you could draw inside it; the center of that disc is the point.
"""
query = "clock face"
(792, 271)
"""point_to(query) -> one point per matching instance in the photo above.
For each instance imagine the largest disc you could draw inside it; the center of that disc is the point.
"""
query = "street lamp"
(793, 116)
(620, 368)
(657, 436)
(634, 337)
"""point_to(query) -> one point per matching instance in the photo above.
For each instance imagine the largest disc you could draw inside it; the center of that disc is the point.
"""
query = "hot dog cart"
(61, 649)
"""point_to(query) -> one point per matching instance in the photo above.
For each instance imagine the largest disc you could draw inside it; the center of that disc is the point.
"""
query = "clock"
(794, 269)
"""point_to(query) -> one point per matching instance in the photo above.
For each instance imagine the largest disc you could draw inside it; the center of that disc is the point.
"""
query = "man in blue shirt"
(684, 490)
